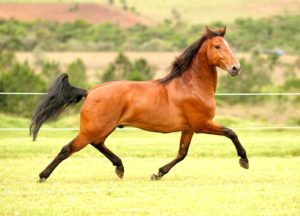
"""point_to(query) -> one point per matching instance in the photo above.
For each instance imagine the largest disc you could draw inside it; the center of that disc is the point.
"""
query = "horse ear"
(209, 32)
(224, 31)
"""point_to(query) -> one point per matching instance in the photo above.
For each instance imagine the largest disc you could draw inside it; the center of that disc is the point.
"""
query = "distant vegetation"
(280, 32)
(122, 68)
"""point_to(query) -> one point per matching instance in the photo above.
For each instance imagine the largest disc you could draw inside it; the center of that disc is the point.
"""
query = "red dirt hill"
(61, 12)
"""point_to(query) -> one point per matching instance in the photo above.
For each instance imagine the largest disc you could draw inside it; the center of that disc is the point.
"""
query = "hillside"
(63, 12)
(195, 11)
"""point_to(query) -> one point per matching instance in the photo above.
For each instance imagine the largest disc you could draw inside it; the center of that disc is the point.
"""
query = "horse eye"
(218, 47)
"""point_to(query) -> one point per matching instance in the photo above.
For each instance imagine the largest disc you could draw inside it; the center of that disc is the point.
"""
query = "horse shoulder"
(198, 109)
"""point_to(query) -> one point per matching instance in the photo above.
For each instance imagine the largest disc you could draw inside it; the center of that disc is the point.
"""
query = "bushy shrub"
(20, 78)
(122, 68)
(50, 70)
(77, 74)
(7, 59)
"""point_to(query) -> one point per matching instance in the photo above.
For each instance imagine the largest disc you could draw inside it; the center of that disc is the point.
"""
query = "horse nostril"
(234, 68)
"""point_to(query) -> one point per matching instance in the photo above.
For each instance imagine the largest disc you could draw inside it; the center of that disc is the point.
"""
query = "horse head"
(219, 52)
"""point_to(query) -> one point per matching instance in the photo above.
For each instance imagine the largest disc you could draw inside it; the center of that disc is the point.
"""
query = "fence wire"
(217, 94)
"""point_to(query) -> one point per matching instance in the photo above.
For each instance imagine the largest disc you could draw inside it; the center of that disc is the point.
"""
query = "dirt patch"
(61, 12)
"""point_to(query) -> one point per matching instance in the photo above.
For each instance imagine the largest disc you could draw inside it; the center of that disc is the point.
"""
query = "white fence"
(249, 128)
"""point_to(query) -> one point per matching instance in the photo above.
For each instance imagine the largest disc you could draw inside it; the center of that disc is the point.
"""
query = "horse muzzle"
(234, 70)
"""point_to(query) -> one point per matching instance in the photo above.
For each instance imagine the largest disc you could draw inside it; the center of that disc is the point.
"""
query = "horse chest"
(200, 109)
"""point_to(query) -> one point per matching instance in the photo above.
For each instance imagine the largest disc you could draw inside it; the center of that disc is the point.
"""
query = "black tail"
(60, 95)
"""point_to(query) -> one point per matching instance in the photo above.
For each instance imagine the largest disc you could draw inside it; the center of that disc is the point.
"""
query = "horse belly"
(157, 120)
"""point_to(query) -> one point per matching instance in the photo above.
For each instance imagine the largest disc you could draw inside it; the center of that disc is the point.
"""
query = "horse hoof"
(41, 180)
(155, 177)
(120, 171)
(244, 163)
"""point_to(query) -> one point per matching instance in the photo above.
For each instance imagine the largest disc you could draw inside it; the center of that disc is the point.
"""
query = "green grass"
(65, 120)
(8, 121)
(141, 144)
(208, 182)
(195, 11)
(203, 186)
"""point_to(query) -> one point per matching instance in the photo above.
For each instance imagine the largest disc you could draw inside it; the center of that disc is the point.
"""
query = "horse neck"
(201, 75)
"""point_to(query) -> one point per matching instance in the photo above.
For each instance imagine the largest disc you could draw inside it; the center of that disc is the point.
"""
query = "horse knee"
(66, 150)
(182, 154)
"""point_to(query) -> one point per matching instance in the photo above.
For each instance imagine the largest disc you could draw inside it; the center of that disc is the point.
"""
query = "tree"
(109, 73)
(50, 70)
(122, 68)
(117, 70)
(7, 59)
(20, 78)
(124, 4)
(140, 71)
(77, 73)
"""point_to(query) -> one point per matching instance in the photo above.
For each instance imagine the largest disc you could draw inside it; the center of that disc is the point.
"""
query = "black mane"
(183, 62)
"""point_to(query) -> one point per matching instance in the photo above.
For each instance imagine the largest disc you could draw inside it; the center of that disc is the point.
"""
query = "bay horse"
(182, 101)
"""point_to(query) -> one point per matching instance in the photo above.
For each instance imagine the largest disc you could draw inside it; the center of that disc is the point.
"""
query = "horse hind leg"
(116, 161)
(74, 146)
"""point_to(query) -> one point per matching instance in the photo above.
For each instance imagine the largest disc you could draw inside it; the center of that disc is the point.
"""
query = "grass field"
(208, 182)
(194, 11)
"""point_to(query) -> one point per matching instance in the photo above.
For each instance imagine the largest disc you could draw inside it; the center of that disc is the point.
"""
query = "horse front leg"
(185, 140)
(212, 128)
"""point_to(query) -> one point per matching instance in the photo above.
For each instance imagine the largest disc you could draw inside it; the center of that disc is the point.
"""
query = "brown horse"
(182, 101)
